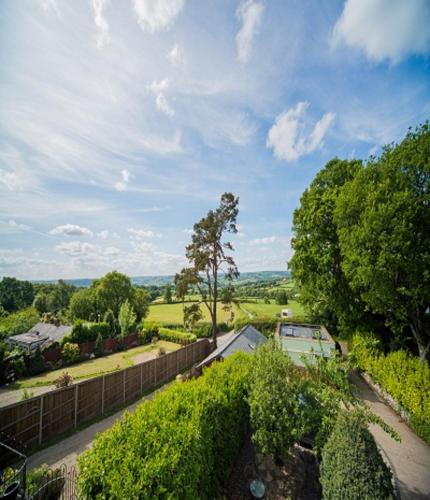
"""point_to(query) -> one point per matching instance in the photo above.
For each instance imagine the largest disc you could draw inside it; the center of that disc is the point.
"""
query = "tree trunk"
(214, 313)
(420, 335)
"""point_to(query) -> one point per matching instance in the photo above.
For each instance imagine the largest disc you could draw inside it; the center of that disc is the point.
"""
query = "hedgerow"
(179, 445)
(403, 376)
(87, 332)
(176, 336)
(352, 467)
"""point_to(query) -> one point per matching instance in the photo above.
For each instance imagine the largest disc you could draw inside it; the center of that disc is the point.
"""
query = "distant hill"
(164, 280)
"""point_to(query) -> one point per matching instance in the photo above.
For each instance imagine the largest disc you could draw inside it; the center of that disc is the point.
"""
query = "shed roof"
(42, 332)
(246, 340)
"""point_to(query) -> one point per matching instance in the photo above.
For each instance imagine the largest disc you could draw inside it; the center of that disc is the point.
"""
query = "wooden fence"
(43, 417)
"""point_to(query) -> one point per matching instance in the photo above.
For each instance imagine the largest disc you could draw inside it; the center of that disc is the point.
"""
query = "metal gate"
(58, 484)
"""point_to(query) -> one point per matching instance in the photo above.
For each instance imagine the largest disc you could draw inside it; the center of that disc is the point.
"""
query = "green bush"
(149, 330)
(70, 353)
(34, 363)
(278, 415)
(179, 445)
(19, 322)
(352, 468)
(176, 336)
(87, 332)
(401, 375)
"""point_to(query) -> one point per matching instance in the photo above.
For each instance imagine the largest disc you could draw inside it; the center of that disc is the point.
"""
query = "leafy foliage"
(352, 468)
(176, 336)
(276, 409)
(87, 332)
(126, 318)
(192, 315)
(19, 322)
(403, 376)
(15, 294)
(70, 352)
(179, 445)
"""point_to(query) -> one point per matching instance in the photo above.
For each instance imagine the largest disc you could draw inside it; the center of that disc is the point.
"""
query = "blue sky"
(122, 122)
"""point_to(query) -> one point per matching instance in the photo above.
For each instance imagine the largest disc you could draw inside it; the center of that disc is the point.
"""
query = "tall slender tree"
(208, 255)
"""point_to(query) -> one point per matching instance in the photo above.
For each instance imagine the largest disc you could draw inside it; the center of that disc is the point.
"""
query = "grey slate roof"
(246, 340)
(43, 332)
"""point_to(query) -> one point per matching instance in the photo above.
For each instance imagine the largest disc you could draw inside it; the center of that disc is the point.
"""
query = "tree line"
(362, 244)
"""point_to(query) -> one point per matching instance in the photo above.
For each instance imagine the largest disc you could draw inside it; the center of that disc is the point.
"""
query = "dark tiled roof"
(246, 340)
(42, 332)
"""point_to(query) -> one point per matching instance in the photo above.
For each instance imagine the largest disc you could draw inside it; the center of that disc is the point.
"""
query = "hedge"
(179, 445)
(352, 467)
(176, 336)
(87, 332)
(403, 376)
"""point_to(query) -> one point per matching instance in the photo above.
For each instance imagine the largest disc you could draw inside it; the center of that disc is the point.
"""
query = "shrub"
(64, 380)
(126, 318)
(160, 352)
(400, 374)
(276, 409)
(34, 363)
(17, 364)
(149, 330)
(87, 332)
(36, 478)
(71, 352)
(26, 394)
(352, 468)
(179, 445)
(98, 348)
(19, 322)
(176, 336)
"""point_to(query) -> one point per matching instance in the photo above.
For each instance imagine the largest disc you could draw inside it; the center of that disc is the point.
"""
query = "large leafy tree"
(113, 290)
(208, 255)
(316, 264)
(383, 219)
(15, 294)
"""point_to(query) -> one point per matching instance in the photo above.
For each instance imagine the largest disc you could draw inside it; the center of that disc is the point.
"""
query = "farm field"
(272, 309)
(97, 366)
(172, 313)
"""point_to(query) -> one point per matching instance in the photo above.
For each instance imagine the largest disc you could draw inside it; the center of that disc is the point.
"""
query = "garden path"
(409, 458)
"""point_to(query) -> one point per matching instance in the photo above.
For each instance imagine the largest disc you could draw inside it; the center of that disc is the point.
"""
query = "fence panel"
(58, 413)
(89, 399)
(35, 420)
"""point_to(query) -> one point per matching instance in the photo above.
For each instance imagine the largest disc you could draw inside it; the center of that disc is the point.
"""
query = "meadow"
(172, 313)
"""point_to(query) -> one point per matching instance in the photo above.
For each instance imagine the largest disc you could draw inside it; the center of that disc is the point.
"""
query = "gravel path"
(410, 458)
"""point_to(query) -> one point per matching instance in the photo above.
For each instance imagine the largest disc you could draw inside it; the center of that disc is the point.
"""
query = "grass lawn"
(94, 367)
(172, 313)
(272, 309)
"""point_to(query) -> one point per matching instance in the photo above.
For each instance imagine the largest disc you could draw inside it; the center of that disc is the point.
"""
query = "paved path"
(68, 449)
(410, 458)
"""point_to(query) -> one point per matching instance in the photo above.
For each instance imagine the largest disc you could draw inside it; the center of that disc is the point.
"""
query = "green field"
(172, 313)
(272, 309)
(94, 367)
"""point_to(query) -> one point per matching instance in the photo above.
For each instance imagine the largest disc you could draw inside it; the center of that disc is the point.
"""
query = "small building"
(40, 335)
(305, 340)
(246, 340)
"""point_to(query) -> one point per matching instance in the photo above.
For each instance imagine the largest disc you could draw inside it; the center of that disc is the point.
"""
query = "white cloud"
(14, 224)
(385, 29)
(112, 251)
(125, 179)
(70, 230)
(143, 234)
(103, 234)
(287, 136)
(102, 38)
(10, 180)
(268, 240)
(76, 248)
(175, 56)
(188, 231)
(154, 15)
(158, 88)
(250, 13)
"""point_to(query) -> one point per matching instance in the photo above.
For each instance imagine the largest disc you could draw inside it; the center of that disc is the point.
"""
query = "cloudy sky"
(122, 122)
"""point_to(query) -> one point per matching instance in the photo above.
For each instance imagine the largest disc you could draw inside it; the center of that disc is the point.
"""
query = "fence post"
(155, 371)
(76, 405)
(123, 385)
(177, 362)
(41, 420)
(141, 379)
(103, 394)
